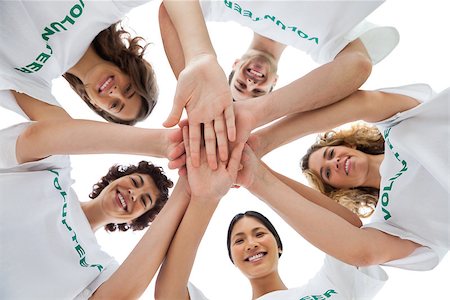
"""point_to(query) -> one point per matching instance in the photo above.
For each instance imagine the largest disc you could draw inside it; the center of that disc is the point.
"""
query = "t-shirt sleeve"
(355, 282)
(195, 293)
(422, 259)
(8, 158)
(95, 284)
(124, 6)
(8, 140)
(420, 92)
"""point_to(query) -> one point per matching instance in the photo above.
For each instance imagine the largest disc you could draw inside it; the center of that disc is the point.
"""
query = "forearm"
(70, 136)
(174, 274)
(323, 86)
(189, 23)
(136, 272)
(171, 42)
(319, 199)
(321, 227)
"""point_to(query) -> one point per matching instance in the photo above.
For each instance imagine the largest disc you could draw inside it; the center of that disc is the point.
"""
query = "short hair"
(143, 167)
(114, 44)
(365, 138)
(260, 218)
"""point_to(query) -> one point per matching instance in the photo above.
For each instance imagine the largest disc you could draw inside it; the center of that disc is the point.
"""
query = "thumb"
(174, 116)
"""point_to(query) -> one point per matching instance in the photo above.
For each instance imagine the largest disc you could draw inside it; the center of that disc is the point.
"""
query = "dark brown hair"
(261, 219)
(114, 44)
(161, 181)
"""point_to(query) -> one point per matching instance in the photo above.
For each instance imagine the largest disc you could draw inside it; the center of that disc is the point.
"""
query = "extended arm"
(70, 136)
(171, 42)
(207, 188)
(136, 272)
(318, 198)
(202, 85)
(323, 228)
(370, 106)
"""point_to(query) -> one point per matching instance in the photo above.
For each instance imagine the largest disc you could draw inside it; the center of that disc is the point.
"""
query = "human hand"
(206, 183)
(251, 166)
(174, 150)
(203, 90)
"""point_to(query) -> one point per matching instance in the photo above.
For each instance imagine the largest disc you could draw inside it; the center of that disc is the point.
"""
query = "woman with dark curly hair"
(53, 251)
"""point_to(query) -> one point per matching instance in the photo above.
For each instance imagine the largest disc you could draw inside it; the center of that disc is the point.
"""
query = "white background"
(421, 56)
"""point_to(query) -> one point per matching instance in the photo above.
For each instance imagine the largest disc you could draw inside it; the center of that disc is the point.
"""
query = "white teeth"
(256, 73)
(122, 201)
(105, 84)
(255, 257)
(347, 162)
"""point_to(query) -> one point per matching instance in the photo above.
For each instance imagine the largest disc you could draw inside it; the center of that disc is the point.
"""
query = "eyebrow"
(141, 179)
(253, 230)
(121, 107)
(321, 168)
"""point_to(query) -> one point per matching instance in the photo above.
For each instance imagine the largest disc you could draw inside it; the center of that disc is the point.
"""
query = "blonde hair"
(362, 137)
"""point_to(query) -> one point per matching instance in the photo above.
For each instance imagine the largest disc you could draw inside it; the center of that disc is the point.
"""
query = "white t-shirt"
(319, 28)
(335, 281)
(43, 39)
(414, 201)
(48, 249)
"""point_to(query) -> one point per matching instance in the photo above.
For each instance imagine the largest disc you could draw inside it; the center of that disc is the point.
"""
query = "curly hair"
(363, 137)
(161, 181)
(114, 44)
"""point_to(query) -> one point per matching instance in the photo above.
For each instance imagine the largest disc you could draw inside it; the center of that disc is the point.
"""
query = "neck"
(94, 213)
(374, 177)
(266, 284)
(89, 59)
(268, 46)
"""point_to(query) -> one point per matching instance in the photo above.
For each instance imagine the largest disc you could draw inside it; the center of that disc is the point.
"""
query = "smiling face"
(340, 166)
(128, 197)
(253, 248)
(254, 75)
(111, 90)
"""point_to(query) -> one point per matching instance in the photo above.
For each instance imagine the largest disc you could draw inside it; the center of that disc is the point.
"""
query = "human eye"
(134, 182)
(238, 241)
(260, 234)
(114, 105)
(327, 173)
(143, 201)
(331, 154)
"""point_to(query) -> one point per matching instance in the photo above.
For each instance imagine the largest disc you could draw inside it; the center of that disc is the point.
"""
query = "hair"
(260, 218)
(161, 181)
(114, 44)
(363, 137)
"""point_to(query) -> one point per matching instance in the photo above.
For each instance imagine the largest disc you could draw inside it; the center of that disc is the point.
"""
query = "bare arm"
(207, 188)
(37, 110)
(370, 106)
(136, 272)
(69, 136)
(323, 228)
(171, 42)
(324, 85)
(202, 87)
(318, 198)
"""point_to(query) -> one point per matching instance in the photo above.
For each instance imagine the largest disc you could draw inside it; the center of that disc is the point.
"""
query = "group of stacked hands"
(216, 147)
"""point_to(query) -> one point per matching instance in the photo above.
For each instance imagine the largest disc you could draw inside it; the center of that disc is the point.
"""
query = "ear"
(275, 80)
(236, 62)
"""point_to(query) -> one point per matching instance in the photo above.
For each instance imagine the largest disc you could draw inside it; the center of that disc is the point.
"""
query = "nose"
(131, 195)
(250, 81)
(251, 245)
(115, 92)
